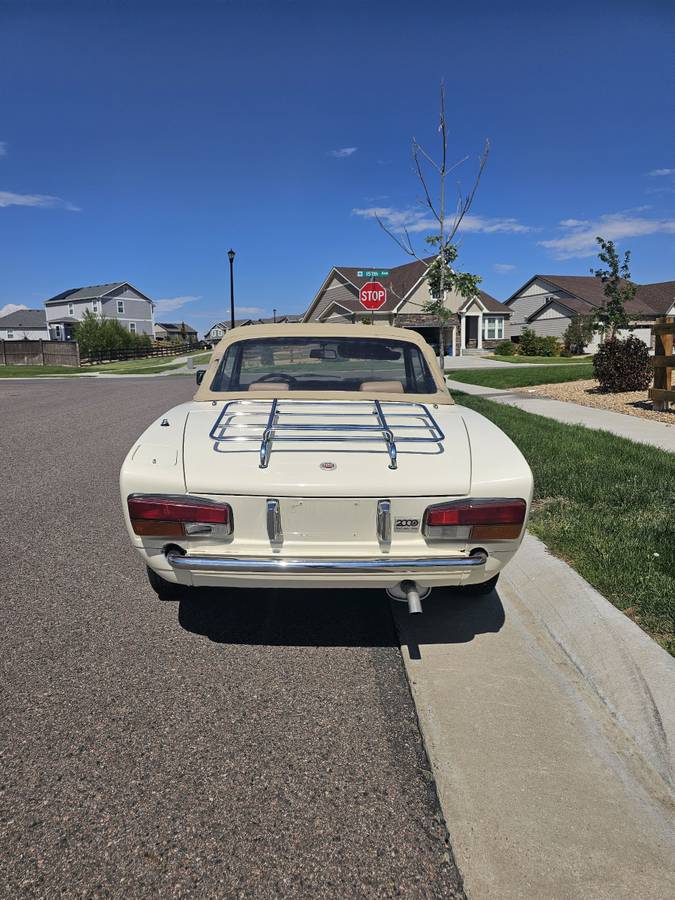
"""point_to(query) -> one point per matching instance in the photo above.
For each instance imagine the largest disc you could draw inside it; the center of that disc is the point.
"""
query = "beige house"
(476, 324)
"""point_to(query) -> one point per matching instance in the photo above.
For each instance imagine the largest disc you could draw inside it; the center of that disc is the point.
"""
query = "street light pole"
(230, 256)
(274, 316)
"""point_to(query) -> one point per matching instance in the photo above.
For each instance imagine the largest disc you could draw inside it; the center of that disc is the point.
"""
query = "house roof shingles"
(85, 293)
(588, 295)
(30, 319)
(172, 326)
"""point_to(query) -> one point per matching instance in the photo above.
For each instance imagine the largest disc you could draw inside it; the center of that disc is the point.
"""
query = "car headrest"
(387, 387)
(268, 386)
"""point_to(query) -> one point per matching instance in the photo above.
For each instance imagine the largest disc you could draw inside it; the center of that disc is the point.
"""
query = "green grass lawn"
(521, 377)
(605, 505)
(148, 366)
(33, 371)
(541, 360)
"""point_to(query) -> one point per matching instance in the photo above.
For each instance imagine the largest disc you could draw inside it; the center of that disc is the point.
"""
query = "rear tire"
(166, 590)
(480, 590)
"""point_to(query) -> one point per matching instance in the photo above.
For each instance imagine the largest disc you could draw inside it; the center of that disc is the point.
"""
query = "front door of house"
(471, 331)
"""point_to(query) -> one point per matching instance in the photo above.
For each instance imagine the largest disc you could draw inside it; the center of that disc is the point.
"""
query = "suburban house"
(220, 329)
(24, 325)
(476, 324)
(172, 331)
(118, 300)
(548, 303)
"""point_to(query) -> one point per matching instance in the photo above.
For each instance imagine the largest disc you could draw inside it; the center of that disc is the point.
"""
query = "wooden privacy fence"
(662, 393)
(100, 356)
(39, 353)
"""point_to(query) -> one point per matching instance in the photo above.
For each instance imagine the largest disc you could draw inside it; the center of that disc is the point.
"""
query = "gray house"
(548, 303)
(24, 325)
(118, 300)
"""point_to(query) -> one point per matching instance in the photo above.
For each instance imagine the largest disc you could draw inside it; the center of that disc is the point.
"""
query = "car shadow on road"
(349, 618)
(449, 617)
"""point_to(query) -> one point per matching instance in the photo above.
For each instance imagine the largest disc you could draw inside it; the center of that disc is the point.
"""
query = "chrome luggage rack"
(269, 423)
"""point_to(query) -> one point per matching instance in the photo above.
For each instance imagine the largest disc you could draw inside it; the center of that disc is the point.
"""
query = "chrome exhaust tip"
(408, 592)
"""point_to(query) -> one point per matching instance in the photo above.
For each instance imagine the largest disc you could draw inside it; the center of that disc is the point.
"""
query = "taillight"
(475, 519)
(154, 516)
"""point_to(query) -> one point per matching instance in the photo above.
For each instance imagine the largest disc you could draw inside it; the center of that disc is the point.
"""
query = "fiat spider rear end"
(324, 456)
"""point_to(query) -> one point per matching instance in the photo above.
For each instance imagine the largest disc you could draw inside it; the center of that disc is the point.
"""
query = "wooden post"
(2, 353)
(42, 352)
(663, 363)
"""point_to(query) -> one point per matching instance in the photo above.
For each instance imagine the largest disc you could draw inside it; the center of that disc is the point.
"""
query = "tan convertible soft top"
(312, 330)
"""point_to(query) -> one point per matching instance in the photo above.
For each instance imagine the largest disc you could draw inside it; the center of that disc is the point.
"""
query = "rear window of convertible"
(319, 364)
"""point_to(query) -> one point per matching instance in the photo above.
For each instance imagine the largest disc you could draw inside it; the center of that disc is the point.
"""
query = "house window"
(132, 327)
(94, 306)
(57, 331)
(71, 309)
(10, 335)
(120, 307)
(493, 328)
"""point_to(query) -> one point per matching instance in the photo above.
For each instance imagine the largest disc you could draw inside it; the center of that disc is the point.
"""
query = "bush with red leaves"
(622, 364)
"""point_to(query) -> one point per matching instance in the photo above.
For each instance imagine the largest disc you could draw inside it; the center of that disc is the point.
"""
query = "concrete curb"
(549, 721)
(631, 674)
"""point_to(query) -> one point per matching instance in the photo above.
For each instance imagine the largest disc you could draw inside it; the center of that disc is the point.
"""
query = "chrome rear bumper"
(254, 565)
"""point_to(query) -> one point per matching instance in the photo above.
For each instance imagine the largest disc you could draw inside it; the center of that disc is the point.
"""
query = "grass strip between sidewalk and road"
(37, 371)
(541, 360)
(603, 504)
(521, 377)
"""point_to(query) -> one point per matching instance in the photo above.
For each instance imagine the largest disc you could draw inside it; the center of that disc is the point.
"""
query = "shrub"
(550, 346)
(529, 343)
(532, 344)
(622, 365)
(506, 348)
(95, 334)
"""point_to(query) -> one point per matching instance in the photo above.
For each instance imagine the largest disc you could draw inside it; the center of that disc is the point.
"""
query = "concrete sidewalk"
(549, 720)
(644, 431)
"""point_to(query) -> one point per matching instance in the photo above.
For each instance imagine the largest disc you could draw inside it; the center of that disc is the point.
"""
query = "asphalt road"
(243, 744)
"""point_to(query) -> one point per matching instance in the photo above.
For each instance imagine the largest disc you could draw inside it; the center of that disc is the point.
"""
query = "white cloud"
(416, 220)
(502, 268)
(343, 152)
(661, 172)
(3, 148)
(579, 235)
(41, 201)
(11, 307)
(168, 304)
(241, 311)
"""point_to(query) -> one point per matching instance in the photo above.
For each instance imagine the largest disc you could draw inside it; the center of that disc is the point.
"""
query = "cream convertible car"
(324, 456)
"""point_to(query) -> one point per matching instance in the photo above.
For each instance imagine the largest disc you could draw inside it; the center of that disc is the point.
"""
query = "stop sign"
(373, 295)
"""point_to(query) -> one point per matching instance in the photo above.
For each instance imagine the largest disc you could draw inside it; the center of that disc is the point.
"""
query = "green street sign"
(372, 273)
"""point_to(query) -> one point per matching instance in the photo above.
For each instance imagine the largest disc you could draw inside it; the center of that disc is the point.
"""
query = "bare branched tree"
(440, 275)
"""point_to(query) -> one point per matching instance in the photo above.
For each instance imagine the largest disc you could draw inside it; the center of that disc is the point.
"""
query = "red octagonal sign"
(373, 295)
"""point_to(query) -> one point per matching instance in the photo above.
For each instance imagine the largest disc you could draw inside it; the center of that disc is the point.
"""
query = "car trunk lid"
(222, 452)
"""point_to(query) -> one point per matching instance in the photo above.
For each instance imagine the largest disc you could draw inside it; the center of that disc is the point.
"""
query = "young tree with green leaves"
(441, 275)
(578, 334)
(618, 289)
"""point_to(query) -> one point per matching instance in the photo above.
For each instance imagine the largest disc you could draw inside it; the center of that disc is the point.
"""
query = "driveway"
(256, 745)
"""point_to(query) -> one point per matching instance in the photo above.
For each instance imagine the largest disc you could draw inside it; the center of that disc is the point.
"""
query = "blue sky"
(140, 140)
